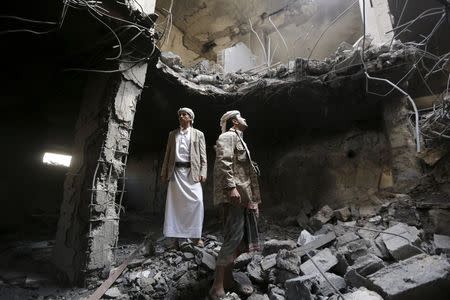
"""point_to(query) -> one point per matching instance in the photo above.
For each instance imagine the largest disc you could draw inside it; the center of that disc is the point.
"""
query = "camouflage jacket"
(233, 168)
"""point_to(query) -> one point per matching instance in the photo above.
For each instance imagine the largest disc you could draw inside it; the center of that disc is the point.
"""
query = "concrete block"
(346, 238)
(243, 284)
(289, 261)
(273, 246)
(418, 277)
(299, 288)
(442, 243)
(254, 269)
(322, 217)
(242, 260)
(208, 261)
(269, 262)
(367, 264)
(398, 247)
(343, 214)
(325, 260)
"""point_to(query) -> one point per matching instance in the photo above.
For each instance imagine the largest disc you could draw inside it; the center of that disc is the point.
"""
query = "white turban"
(188, 111)
(226, 116)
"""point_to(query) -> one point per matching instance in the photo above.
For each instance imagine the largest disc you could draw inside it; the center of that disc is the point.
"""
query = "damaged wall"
(206, 28)
(314, 145)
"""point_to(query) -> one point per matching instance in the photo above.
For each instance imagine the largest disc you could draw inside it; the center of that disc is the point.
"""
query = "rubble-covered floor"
(353, 259)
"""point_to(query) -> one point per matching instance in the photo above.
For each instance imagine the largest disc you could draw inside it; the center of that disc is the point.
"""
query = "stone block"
(346, 238)
(325, 260)
(208, 261)
(243, 284)
(343, 214)
(418, 277)
(242, 260)
(273, 246)
(354, 249)
(322, 217)
(289, 261)
(399, 247)
(299, 288)
(367, 264)
(442, 243)
(268, 262)
(254, 269)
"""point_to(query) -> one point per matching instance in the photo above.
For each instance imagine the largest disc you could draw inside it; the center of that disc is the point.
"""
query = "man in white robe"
(185, 168)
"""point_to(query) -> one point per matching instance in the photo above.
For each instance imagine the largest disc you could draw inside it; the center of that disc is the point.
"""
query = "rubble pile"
(207, 77)
(369, 257)
(374, 253)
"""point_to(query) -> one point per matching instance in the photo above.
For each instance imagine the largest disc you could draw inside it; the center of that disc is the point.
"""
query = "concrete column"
(88, 226)
(378, 20)
(405, 166)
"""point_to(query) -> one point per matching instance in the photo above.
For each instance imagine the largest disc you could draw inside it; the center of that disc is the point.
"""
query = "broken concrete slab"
(367, 264)
(346, 238)
(289, 261)
(415, 278)
(399, 247)
(325, 260)
(320, 241)
(322, 217)
(273, 246)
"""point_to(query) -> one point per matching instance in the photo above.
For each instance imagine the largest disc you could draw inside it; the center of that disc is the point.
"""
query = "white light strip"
(56, 159)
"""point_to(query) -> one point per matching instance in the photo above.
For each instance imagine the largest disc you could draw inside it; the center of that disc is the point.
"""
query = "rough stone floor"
(382, 252)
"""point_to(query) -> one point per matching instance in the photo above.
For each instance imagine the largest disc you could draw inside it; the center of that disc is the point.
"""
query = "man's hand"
(257, 212)
(202, 179)
(234, 196)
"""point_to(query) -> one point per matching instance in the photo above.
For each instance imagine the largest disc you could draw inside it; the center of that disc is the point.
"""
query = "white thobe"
(184, 202)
